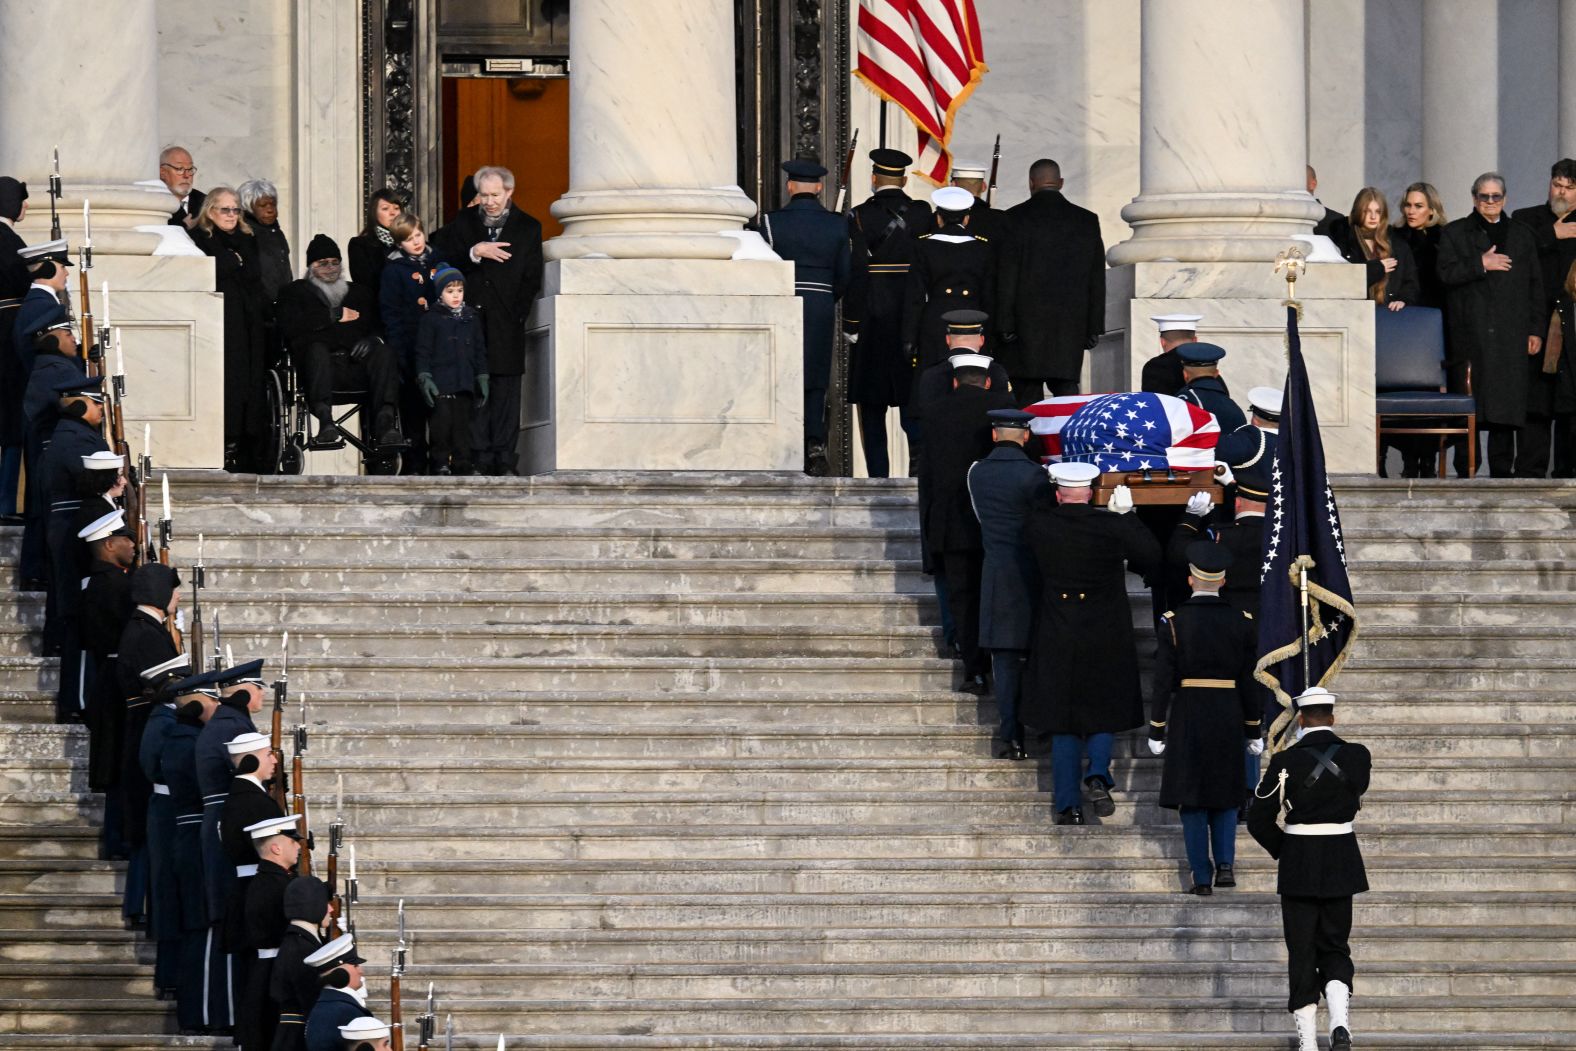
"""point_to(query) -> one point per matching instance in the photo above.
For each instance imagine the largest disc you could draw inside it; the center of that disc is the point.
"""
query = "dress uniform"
(953, 269)
(1162, 374)
(293, 987)
(950, 532)
(882, 230)
(178, 767)
(1081, 681)
(815, 240)
(1204, 714)
(14, 281)
(164, 917)
(1003, 488)
(247, 803)
(106, 608)
(1319, 784)
(344, 993)
(41, 309)
(263, 926)
(1209, 392)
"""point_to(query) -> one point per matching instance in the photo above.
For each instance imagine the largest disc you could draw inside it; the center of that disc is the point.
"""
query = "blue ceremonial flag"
(1304, 531)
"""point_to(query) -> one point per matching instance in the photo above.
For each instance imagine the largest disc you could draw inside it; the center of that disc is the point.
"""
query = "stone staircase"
(670, 762)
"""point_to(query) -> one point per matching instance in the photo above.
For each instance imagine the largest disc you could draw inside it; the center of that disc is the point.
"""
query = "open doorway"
(521, 123)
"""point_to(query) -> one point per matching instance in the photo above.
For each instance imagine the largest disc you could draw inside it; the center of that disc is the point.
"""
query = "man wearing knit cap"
(326, 322)
(293, 987)
(1318, 784)
(14, 281)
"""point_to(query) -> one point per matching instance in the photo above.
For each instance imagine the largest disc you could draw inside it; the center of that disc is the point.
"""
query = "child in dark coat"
(451, 367)
(405, 294)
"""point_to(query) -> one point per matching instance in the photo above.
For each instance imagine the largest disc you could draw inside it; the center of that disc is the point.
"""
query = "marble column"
(1224, 113)
(1568, 78)
(652, 155)
(1461, 97)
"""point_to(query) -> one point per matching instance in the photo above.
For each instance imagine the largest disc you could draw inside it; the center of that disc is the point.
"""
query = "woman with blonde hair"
(223, 233)
(1363, 236)
(1422, 220)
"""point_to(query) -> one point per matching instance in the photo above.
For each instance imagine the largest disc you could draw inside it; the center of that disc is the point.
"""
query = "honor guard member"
(293, 986)
(990, 223)
(14, 281)
(106, 609)
(1264, 413)
(953, 270)
(1204, 387)
(1204, 715)
(343, 995)
(277, 842)
(164, 918)
(1162, 373)
(80, 404)
(1081, 681)
(247, 803)
(44, 302)
(42, 310)
(1318, 783)
(880, 374)
(1003, 487)
(197, 699)
(948, 528)
(815, 240)
(366, 1034)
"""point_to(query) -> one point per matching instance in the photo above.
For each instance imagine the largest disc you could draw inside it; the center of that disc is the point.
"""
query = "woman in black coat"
(1422, 222)
(1364, 237)
(223, 234)
(369, 250)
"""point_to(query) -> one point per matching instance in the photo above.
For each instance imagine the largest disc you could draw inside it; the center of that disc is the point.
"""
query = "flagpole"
(1302, 585)
(883, 123)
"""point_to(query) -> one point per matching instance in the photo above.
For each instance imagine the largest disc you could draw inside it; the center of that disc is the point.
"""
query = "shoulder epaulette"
(1245, 613)
(981, 237)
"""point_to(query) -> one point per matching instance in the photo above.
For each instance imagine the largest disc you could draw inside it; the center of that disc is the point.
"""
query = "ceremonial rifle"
(995, 167)
(199, 581)
(166, 534)
(426, 1024)
(276, 732)
(55, 193)
(847, 173)
(298, 800)
(117, 442)
(448, 1033)
(396, 971)
(352, 894)
(92, 352)
(336, 834)
(145, 552)
(221, 652)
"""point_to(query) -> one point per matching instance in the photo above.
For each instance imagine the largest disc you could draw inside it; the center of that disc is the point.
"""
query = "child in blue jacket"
(451, 370)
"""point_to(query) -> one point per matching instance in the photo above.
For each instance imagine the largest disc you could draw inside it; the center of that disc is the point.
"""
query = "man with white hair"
(177, 171)
(498, 247)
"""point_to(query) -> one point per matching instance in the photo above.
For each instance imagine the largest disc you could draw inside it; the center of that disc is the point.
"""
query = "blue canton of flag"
(1119, 432)
(1303, 530)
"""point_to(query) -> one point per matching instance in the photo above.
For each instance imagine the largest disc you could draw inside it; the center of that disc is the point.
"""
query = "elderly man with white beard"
(324, 320)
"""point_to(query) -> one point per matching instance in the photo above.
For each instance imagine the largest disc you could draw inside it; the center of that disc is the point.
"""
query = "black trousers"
(815, 415)
(1317, 951)
(1026, 390)
(495, 427)
(323, 370)
(962, 570)
(31, 565)
(449, 433)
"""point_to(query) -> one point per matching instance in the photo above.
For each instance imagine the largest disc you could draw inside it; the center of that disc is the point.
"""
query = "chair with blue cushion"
(1410, 385)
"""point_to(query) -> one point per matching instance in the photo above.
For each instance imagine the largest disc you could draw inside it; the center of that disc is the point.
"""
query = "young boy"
(451, 365)
(405, 295)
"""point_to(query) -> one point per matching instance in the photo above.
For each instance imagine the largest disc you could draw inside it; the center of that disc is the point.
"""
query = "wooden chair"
(1410, 384)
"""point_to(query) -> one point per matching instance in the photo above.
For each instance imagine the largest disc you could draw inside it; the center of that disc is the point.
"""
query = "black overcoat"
(238, 275)
(1052, 294)
(178, 764)
(1423, 243)
(214, 774)
(1082, 675)
(882, 231)
(293, 986)
(106, 608)
(1314, 866)
(14, 284)
(954, 269)
(1550, 393)
(1206, 727)
(1403, 284)
(501, 292)
(1491, 314)
(263, 927)
(247, 804)
(1003, 487)
(957, 432)
(144, 643)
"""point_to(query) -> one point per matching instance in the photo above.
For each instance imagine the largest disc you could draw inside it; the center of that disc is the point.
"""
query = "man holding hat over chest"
(816, 242)
(1318, 783)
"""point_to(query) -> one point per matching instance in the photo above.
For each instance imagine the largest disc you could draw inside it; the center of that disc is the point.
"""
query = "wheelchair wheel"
(293, 459)
(279, 411)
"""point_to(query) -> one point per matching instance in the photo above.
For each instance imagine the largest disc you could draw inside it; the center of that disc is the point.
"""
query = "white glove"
(1156, 747)
(1256, 746)
(180, 621)
(1223, 474)
(1121, 500)
(1199, 504)
(852, 337)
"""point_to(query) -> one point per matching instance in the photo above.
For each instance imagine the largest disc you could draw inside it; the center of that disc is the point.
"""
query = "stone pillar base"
(1244, 311)
(662, 365)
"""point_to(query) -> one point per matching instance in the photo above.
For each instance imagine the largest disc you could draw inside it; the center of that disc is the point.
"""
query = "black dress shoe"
(1203, 890)
(1100, 796)
(1071, 816)
(1340, 1039)
(974, 684)
(1224, 877)
(1015, 751)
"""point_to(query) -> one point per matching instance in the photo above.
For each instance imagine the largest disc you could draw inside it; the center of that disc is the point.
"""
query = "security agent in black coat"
(502, 291)
(277, 844)
(953, 269)
(1550, 392)
(815, 240)
(1003, 487)
(882, 230)
(293, 986)
(1051, 303)
(1319, 784)
(1204, 715)
(1205, 388)
(339, 973)
(327, 325)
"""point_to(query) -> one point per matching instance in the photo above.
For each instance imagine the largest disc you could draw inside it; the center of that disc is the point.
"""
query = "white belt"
(246, 870)
(267, 954)
(1338, 829)
(161, 790)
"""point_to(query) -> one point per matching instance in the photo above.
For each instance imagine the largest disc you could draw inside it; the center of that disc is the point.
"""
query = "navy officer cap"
(241, 672)
(804, 170)
(1200, 353)
(965, 322)
(1010, 418)
(890, 162)
(207, 682)
(81, 386)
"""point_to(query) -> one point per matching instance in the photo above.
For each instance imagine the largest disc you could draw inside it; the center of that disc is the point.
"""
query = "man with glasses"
(177, 170)
(1489, 265)
(1553, 226)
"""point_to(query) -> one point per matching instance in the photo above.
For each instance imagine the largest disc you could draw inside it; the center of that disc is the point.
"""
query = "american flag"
(1304, 529)
(1127, 432)
(925, 56)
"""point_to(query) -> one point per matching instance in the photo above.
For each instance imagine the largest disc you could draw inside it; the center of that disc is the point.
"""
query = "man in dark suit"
(815, 240)
(1331, 216)
(882, 230)
(498, 247)
(1051, 304)
(177, 171)
(1003, 488)
(1319, 783)
(1553, 226)
(957, 432)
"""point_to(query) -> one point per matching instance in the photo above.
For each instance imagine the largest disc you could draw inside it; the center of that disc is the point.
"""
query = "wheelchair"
(291, 425)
